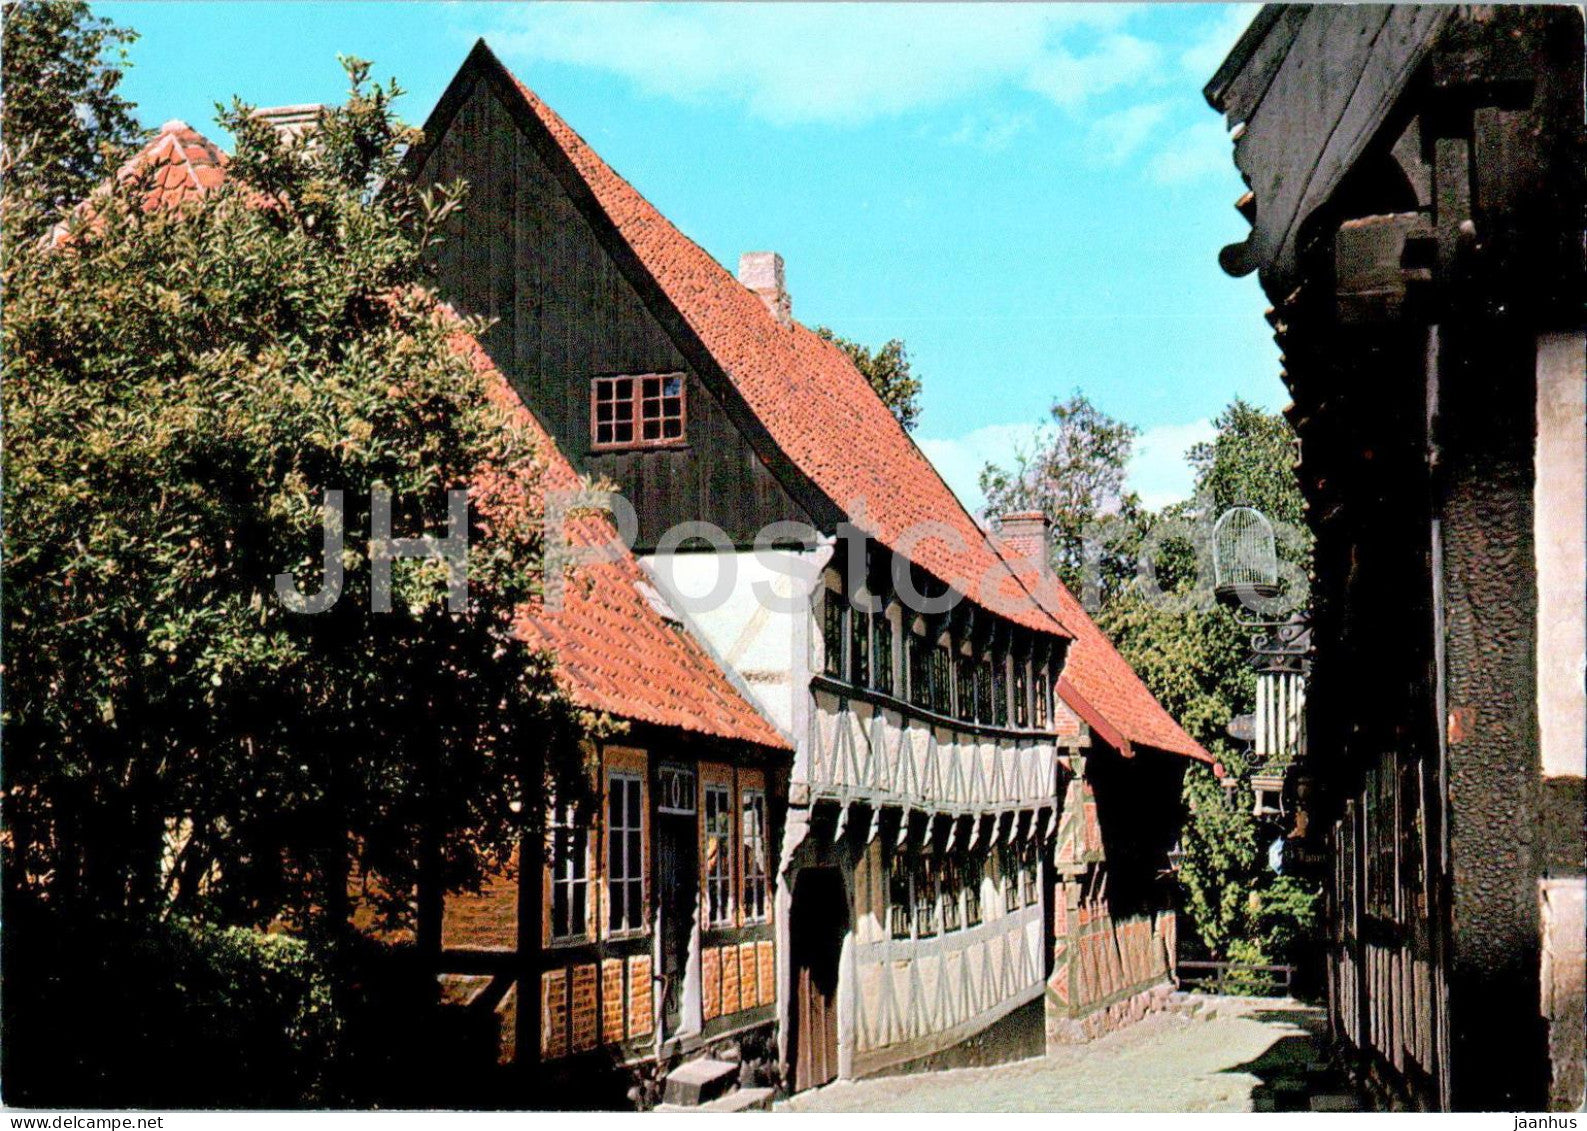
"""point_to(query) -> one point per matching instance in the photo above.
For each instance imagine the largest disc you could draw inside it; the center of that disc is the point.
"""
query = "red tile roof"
(817, 407)
(1099, 684)
(615, 652)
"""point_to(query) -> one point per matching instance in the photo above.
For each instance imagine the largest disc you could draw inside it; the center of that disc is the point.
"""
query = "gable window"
(570, 877)
(753, 829)
(625, 877)
(637, 411)
(882, 653)
(718, 856)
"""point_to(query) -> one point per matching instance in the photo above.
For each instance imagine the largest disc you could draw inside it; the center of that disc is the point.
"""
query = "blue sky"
(1031, 196)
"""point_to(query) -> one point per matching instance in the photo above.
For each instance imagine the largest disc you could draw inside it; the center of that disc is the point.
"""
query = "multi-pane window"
(570, 877)
(832, 634)
(1008, 867)
(952, 895)
(718, 855)
(755, 867)
(900, 896)
(625, 878)
(1043, 688)
(975, 868)
(925, 873)
(882, 653)
(964, 686)
(919, 655)
(1000, 690)
(942, 680)
(1021, 691)
(983, 691)
(638, 410)
(1027, 874)
(859, 648)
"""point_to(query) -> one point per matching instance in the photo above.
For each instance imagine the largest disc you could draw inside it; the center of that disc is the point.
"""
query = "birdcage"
(1244, 558)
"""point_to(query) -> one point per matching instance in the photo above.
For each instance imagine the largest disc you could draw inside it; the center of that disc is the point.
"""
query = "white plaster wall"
(1560, 530)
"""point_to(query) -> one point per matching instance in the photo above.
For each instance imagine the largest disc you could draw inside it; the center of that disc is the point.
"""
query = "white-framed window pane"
(718, 856)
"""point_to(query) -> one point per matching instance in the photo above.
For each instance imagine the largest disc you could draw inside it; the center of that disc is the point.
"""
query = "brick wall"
(554, 1014)
(584, 1016)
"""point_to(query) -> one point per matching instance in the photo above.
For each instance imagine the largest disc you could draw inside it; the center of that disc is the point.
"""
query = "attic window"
(632, 412)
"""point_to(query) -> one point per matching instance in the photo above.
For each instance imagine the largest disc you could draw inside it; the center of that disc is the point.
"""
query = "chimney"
(761, 272)
(1026, 536)
(293, 123)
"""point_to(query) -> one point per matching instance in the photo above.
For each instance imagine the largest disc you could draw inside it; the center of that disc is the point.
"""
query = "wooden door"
(679, 884)
(817, 923)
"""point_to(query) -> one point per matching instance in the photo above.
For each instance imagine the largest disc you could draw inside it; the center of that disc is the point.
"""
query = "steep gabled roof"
(1099, 684)
(177, 166)
(616, 651)
(814, 405)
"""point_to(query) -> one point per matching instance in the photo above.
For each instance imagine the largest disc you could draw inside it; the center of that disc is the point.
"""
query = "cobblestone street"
(1219, 1055)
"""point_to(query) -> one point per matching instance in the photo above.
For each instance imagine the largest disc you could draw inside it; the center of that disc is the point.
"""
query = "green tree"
(179, 391)
(888, 370)
(1076, 475)
(63, 125)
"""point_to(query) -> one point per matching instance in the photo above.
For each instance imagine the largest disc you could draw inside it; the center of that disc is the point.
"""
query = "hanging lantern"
(1244, 556)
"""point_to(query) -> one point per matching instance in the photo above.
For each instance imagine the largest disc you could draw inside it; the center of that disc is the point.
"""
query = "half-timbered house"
(1417, 194)
(876, 625)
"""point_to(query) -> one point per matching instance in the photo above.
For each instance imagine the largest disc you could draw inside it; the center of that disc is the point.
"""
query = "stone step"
(1336, 1101)
(699, 1082)
(744, 1099)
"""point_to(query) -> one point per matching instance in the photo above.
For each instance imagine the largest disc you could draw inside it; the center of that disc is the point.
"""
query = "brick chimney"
(1027, 536)
(761, 272)
(292, 122)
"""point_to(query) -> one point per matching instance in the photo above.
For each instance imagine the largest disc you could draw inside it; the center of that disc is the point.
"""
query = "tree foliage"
(1075, 474)
(180, 389)
(888, 370)
(63, 122)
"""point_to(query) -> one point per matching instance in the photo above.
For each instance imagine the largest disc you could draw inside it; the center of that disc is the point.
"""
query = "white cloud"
(837, 63)
(959, 459)
(1158, 471)
(1116, 137)
(990, 133)
(1204, 57)
(1197, 151)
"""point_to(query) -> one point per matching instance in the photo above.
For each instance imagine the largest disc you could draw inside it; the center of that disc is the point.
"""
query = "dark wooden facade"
(1417, 203)
(570, 303)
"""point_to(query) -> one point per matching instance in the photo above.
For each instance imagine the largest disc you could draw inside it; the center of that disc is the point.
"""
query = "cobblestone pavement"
(1219, 1054)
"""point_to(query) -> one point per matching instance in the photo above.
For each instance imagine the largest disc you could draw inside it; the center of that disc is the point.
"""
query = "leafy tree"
(179, 391)
(888, 370)
(63, 124)
(1076, 475)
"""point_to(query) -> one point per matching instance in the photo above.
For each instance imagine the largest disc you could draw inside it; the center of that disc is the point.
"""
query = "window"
(755, 866)
(942, 680)
(832, 634)
(974, 870)
(900, 896)
(925, 871)
(859, 648)
(964, 686)
(570, 877)
(1008, 867)
(1000, 690)
(919, 656)
(718, 856)
(882, 653)
(1021, 691)
(625, 876)
(983, 691)
(1043, 689)
(637, 410)
(952, 895)
(1027, 874)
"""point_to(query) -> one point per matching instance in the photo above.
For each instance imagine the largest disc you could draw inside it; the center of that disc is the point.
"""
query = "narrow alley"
(1213, 1054)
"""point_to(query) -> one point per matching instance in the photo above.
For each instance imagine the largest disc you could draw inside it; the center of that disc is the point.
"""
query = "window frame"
(754, 883)
(882, 651)
(625, 835)
(570, 874)
(834, 633)
(637, 400)
(717, 871)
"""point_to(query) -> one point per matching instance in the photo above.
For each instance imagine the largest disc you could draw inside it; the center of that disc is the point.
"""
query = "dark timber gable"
(569, 302)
